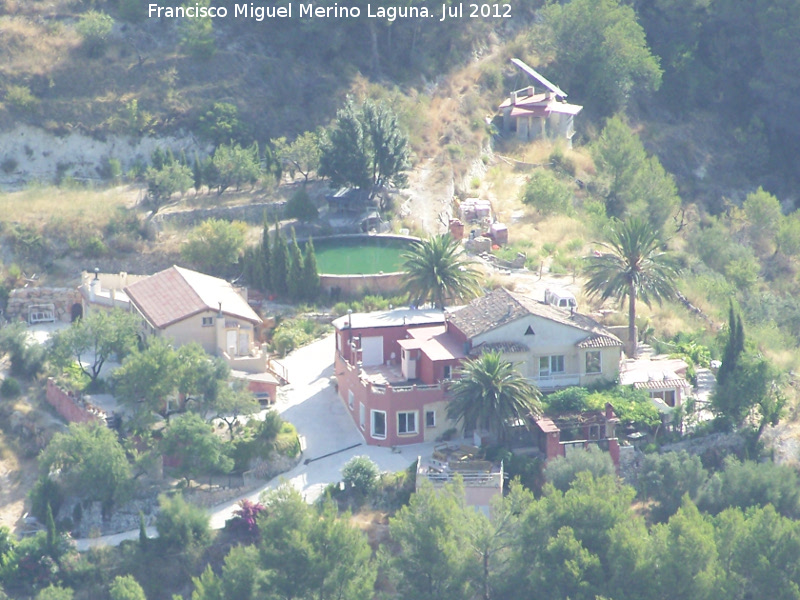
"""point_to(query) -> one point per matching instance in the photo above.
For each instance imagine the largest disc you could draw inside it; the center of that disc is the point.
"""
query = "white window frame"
(372, 414)
(430, 413)
(208, 321)
(350, 399)
(599, 355)
(551, 362)
(362, 415)
(403, 415)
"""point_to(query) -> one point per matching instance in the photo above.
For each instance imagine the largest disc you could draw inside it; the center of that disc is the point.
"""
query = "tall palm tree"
(634, 266)
(490, 393)
(439, 272)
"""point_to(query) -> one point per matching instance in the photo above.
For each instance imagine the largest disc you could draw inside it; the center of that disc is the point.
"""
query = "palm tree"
(490, 393)
(633, 267)
(439, 272)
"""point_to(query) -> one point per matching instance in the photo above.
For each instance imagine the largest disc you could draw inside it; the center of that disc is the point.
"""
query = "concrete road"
(311, 404)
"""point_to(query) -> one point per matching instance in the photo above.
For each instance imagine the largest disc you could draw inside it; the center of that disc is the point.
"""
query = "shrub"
(181, 526)
(95, 27)
(10, 388)
(45, 492)
(547, 194)
(360, 474)
(299, 206)
(562, 471)
(20, 96)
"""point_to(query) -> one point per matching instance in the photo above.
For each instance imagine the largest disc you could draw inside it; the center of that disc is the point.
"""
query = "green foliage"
(301, 156)
(490, 393)
(10, 388)
(747, 484)
(667, 478)
(309, 552)
(299, 206)
(215, 246)
(45, 493)
(279, 265)
(633, 184)
(20, 97)
(294, 279)
(220, 124)
(91, 463)
(27, 358)
(310, 273)
(234, 402)
(547, 194)
(194, 445)
(294, 333)
(95, 28)
(630, 405)
(365, 148)
(632, 266)
(55, 592)
(99, 335)
(764, 216)
(197, 34)
(165, 181)
(562, 471)
(430, 536)
(234, 166)
(361, 474)
(125, 587)
(438, 271)
(132, 11)
(601, 52)
(181, 527)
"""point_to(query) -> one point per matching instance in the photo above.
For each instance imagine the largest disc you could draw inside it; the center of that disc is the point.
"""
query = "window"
(447, 372)
(378, 424)
(550, 365)
(208, 321)
(430, 419)
(407, 422)
(593, 364)
(350, 399)
(362, 415)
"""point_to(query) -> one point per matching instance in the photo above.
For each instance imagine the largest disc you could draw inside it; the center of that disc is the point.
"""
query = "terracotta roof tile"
(501, 307)
(176, 293)
(503, 347)
(600, 341)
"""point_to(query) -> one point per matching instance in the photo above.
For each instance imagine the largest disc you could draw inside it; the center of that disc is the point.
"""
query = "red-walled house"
(566, 433)
(392, 367)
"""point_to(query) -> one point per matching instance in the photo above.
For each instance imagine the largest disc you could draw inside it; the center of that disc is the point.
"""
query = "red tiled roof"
(599, 341)
(504, 347)
(176, 293)
(662, 384)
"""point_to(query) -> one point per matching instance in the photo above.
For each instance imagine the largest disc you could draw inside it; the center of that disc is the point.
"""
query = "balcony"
(556, 381)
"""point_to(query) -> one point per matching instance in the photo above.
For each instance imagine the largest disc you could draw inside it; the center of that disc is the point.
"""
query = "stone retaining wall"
(249, 213)
(72, 408)
(21, 299)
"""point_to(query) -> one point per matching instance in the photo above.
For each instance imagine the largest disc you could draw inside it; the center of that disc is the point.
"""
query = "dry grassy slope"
(40, 49)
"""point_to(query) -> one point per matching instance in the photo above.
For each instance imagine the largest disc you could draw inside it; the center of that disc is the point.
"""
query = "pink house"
(392, 367)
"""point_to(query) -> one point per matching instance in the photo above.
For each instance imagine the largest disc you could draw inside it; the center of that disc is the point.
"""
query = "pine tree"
(279, 267)
(265, 258)
(295, 280)
(310, 273)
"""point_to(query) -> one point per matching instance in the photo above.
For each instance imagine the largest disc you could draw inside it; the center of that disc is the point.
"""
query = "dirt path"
(426, 205)
(16, 479)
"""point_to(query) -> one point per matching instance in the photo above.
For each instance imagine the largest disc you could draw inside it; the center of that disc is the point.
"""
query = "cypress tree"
(142, 532)
(265, 257)
(733, 347)
(279, 267)
(295, 280)
(310, 273)
(197, 173)
(50, 523)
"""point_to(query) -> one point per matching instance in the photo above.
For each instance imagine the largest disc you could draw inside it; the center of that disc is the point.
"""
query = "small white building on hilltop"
(539, 110)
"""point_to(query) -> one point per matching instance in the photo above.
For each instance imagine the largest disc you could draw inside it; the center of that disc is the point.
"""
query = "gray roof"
(390, 318)
(501, 307)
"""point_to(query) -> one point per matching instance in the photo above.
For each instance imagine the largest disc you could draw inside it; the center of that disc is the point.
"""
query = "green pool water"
(368, 255)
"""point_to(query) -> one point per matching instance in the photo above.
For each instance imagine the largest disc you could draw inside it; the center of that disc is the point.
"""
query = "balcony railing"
(556, 380)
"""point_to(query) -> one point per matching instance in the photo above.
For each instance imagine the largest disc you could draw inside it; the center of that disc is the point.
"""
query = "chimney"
(513, 98)
(219, 314)
(94, 286)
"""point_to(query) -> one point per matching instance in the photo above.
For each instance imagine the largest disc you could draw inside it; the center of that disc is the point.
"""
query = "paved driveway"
(311, 404)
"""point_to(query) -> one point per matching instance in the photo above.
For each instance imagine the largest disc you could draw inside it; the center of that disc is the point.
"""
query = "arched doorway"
(76, 313)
